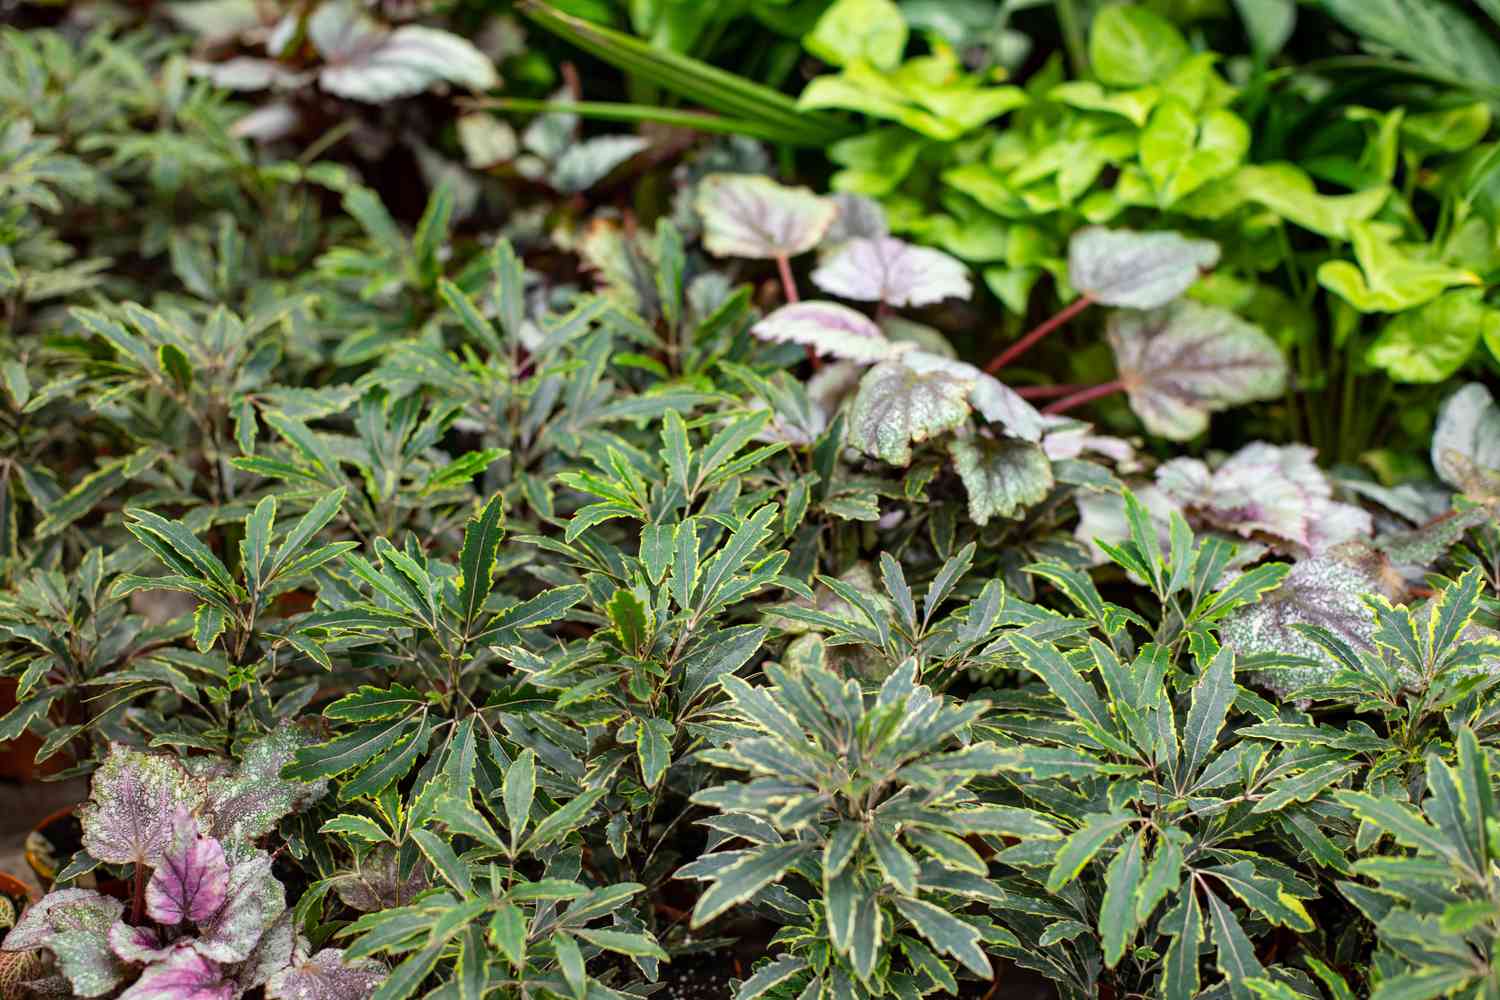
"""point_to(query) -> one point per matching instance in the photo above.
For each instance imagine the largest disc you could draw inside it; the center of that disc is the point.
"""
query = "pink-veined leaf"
(185, 975)
(749, 215)
(828, 328)
(190, 881)
(885, 269)
(139, 945)
(253, 902)
(135, 795)
(1181, 363)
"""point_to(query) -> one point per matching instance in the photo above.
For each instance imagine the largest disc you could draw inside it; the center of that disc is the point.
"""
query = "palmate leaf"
(830, 329)
(750, 215)
(1118, 267)
(897, 273)
(1180, 363)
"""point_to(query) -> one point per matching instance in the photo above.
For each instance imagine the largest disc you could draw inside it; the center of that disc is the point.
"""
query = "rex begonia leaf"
(191, 878)
(185, 975)
(246, 803)
(1002, 477)
(1120, 267)
(74, 925)
(134, 797)
(1265, 489)
(1466, 442)
(326, 976)
(274, 952)
(892, 271)
(1387, 279)
(254, 901)
(748, 215)
(377, 882)
(1433, 341)
(1326, 590)
(828, 328)
(917, 395)
(367, 61)
(859, 218)
(140, 945)
(1181, 363)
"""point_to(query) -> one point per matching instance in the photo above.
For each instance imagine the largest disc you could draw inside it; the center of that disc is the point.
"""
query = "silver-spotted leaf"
(1265, 491)
(246, 802)
(326, 976)
(885, 269)
(190, 881)
(185, 975)
(254, 901)
(273, 952)
(1002, 477)
(1326, 590)
(1180, 363)
(748, 215)
(1120, 267)
(74, 925)
(1466, 442)
(830, 329)
(135, 795)
(898, 405)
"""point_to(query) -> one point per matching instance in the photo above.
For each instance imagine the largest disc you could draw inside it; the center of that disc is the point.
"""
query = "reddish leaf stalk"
(1025, 344)
(1086, 395)
(788, 283)
(138, 900)
(1048, 391)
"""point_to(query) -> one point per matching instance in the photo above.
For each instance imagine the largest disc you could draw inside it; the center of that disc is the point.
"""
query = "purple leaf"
(1118, 267)
(892, 271)
(74, 925)
(139, 945)
(128, 818)
(185, 975)
(747, 215)
(247, 802)
(1181, 363)
(326, 976)
(828, 328)
(1265, 490)
(254, 901)
(192, 877)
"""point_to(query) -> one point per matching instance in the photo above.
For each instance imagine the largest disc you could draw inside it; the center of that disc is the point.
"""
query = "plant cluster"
(475, 554)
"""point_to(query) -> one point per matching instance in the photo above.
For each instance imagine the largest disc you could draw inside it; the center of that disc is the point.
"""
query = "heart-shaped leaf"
(185, 975)
(134, 799)
(1120, 267)
(245, 803)
(326, 976)
(885, 269)
(828, 328)
(1388, 279)
(1183, 362)
(1002, 477)
(74, 925)
(1431, 342)
(190, 881)
(367, 61)
(1265, 490)
(1181, 150)
(1466, 442)
(748, 215)
(916, 395)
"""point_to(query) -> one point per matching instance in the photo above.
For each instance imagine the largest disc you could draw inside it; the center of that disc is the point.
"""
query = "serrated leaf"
(897, 273)
(1001, 477)
(750, 215)
(1119, 267)
(1181, 363)
(828, 328)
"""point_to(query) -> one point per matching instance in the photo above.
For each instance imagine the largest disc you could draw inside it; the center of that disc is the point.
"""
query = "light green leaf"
(871, 30)
(1388, 279)
(1432, 342)
(1130, 46)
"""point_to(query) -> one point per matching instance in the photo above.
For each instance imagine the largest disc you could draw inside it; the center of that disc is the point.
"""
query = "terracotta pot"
(18, 756)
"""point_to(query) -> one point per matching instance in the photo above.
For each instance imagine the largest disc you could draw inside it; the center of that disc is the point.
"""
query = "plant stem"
(1023, 345)
(788, 283)
(1091, 393)
(1048, 391)
(138, 900)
